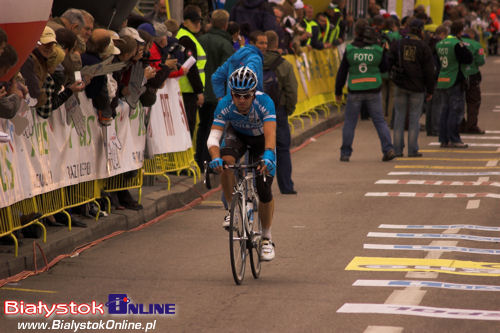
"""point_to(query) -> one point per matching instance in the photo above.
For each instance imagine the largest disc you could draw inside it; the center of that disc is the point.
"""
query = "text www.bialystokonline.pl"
(75, 326)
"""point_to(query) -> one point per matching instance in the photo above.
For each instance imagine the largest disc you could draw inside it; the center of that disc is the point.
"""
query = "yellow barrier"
(316, 83)
(122, 182)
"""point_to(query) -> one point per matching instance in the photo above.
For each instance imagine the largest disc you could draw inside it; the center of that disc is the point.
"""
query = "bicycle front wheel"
(237, 239)
(255, 242)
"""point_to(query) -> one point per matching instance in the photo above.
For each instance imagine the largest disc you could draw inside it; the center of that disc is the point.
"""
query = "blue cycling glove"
(269, 159)
(216, 162)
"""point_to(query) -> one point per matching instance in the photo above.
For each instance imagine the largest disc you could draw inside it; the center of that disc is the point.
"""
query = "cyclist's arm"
(213, 145)
(270, 135)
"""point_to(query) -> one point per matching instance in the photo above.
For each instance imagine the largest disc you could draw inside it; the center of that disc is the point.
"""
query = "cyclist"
(249, 119)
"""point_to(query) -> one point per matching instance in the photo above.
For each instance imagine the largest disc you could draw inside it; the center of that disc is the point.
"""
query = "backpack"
(271, 83)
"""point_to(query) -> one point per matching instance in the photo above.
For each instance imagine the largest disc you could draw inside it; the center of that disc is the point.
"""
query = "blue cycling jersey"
(251, 124)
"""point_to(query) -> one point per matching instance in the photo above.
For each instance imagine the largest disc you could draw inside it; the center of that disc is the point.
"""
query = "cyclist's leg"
(233, 148)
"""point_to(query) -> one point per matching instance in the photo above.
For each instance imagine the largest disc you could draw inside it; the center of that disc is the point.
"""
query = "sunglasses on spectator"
(244, 96)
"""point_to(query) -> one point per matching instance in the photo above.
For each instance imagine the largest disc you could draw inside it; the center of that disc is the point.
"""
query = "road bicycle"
(245, 229)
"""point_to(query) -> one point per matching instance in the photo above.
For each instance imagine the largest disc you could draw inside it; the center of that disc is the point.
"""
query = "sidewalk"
(157, 201)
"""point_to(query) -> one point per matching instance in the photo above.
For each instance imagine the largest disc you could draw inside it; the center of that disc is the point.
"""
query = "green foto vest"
(478, 53)
(200, 61)
(309, 29)
(364, 73)
(449, 63)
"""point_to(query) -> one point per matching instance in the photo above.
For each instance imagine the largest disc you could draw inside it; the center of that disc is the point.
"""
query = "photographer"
(363, 61)
(413, 74)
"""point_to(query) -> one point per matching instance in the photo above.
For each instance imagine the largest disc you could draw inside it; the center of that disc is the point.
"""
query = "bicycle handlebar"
(237, 166)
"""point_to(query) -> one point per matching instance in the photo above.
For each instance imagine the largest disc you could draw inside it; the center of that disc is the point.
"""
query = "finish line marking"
(436, 173)
(448, 159)
(493, 132)
(472, 144)
(480, 137)
(436, 182)
(448, 266)
(432, 195)
(425, 284)
(434, 236)
(439, 227)
(445, 167)
(421, 311)
(430, 248)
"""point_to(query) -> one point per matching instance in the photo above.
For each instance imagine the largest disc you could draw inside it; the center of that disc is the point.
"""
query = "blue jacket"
(246, 56)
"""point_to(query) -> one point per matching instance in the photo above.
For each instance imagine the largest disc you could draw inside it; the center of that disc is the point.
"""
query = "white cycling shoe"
(267, 251)
(227, 221)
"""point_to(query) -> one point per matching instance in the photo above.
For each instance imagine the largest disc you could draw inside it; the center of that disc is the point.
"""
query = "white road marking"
(438, 226)
(431, 248)
(473, 204)
(444, 235)
(383, 329)
(425, 284)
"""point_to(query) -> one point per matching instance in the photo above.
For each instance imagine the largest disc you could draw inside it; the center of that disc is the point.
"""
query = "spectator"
(433, 107)
(192, 85)
(3, 41)
(172, 26)
(100, 47)
(363, 60)
(452, 53)
(390, 33)
(159, 13)
(335, 14)
(285, 106)
(238, 40)
(10, 95)
(217, 45)
(67, 40)
(412, 59)
(473, 90)
(283, 37)
(312, 29)
(493, 29)
(250, 56)
(255, 14)
(88, 26)
(325, 30)
(71, 19)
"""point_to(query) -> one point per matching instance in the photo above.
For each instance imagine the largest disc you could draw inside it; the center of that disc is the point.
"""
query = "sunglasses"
(244, 96)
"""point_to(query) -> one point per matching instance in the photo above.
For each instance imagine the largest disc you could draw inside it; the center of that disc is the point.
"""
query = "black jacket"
(417, 61)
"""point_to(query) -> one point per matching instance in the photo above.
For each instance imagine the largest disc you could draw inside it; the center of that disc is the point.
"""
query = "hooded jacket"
(287, 81)
(246, 56)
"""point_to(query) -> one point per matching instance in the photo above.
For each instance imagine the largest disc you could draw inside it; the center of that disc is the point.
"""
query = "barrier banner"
(168, 129)
(48, 154)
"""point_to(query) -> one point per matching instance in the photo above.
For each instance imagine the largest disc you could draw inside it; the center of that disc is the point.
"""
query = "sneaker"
(344, 158)
(4, 137)
(415, 155)
(267, 250)
(390, 155)
(444, 145)
(459, 145)
(227, 221)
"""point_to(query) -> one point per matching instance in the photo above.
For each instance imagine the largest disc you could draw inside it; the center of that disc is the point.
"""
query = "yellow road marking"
(30, 290)
(461, 151)
(459, 267)
(448, 159)
(445, 167)
(211, 203)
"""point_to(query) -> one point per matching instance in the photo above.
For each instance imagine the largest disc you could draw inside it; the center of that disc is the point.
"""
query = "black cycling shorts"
(235, 144)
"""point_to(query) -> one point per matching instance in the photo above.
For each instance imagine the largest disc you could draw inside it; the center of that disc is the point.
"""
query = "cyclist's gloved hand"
(269, 159)
(215, 163)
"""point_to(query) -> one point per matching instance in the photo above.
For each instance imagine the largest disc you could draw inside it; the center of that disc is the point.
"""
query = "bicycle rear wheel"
(237, 241)
(255, 243)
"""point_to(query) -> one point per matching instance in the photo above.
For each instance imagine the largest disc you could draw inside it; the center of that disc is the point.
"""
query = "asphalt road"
(324, 236)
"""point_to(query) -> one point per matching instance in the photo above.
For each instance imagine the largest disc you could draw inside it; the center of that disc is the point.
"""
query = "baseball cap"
(161, 30)
(112, 49)
(48, 36)
(131, 32)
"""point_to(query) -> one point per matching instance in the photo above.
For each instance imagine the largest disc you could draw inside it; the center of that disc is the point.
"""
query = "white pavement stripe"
(439, 227)
(433, 195)
(495, 110)
(431, 248)
(493, 132)
(472, 144)
(480, 137)
(436, 182)
(483, 179)
(473, 204)
(408, 296)
(433, 173)
(383, 329)
(492, 163)
(421, 311)
(434, 236)
(425, 284)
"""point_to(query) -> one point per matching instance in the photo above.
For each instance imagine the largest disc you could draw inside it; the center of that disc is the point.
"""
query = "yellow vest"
(309, 29)
(200, 61)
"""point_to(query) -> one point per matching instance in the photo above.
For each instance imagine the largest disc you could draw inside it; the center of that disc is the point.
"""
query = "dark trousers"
(473, 101)
(206, 114)
(190, 106)
(283, 157)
